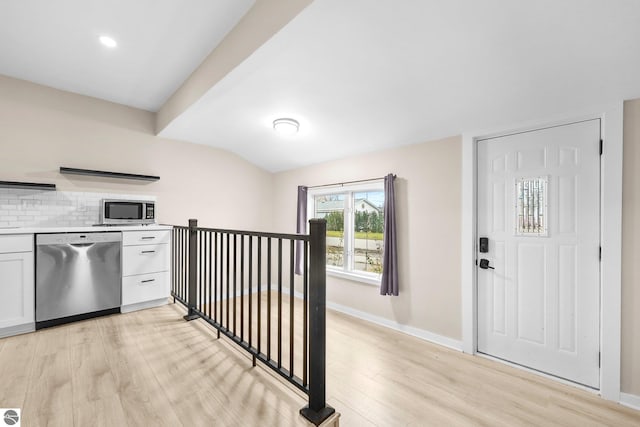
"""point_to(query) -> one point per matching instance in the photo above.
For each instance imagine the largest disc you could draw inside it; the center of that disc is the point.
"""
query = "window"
(531, 206)
(355, 223)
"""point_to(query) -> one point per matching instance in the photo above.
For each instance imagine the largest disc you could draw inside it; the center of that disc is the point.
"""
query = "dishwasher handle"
(81, 245)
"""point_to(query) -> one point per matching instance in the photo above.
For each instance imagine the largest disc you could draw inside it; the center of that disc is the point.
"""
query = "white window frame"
(346, 271)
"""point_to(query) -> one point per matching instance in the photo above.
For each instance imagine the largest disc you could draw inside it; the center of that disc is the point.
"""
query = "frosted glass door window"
(531, 208)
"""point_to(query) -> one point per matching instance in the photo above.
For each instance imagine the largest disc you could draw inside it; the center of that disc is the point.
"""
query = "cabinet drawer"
(144, 259)
(12, 243)
(145, 287)
(152, 237)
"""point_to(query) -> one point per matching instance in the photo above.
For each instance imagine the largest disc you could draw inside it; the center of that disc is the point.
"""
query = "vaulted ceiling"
(160, 42)
(358, 75)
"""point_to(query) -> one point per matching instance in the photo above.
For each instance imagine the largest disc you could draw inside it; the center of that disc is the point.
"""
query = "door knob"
(484, 264)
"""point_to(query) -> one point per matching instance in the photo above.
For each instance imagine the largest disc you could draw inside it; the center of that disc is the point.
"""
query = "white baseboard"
(144, 305)
(405, 329)
(16, 330)
(630, 400)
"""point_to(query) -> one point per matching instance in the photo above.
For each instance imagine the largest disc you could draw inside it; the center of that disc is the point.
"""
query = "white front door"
(539, 208)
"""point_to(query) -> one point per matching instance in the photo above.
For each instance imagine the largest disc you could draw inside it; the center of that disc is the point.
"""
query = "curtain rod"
(348, 182)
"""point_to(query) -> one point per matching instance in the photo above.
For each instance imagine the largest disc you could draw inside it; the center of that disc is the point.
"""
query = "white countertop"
(84, 229)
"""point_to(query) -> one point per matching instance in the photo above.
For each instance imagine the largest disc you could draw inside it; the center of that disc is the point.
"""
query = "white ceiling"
(160, 42)
(363, 75)
(359, 75)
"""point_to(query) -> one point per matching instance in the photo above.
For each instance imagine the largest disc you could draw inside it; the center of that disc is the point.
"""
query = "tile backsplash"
(36, 208)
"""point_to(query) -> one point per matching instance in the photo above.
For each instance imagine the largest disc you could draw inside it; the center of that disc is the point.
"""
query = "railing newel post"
(192, 263)
(317, 410)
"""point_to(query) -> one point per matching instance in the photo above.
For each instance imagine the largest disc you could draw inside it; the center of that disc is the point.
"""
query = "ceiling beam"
(261, 22)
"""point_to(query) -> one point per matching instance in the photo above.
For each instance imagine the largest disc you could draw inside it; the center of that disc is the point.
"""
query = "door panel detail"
(531, 292)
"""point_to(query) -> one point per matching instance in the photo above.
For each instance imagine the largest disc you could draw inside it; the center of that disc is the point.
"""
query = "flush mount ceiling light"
(286, 126)
(108, 41)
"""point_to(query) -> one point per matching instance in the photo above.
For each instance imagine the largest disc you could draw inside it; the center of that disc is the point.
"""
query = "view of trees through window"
(362, 250)
(331, 207)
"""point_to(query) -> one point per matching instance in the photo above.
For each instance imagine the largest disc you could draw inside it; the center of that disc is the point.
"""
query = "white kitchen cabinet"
(145, 259)
(17, 303)
(145, 269)
(155, 237)
(145, 287)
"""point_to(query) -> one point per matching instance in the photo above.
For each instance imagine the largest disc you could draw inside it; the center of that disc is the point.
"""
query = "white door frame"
(611, 117)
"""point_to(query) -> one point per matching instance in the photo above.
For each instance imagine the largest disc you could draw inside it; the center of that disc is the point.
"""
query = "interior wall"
(631, 250)
(428, 200)
(42, 129)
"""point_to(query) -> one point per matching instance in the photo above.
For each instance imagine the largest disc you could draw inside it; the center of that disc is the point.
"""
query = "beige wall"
(428, 203)
(631, 250)
(42, 129)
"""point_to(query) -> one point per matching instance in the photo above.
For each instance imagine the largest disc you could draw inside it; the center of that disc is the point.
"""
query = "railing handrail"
(284, 236)
(194, 257)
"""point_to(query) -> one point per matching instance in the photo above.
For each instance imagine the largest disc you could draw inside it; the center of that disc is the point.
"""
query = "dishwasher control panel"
(76, 238)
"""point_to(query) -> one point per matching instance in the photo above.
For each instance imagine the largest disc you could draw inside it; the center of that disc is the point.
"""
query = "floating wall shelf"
(27, 185)
(89, 172)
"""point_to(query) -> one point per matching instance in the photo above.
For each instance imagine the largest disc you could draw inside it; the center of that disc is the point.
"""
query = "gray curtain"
(389, 284)
(301, 227)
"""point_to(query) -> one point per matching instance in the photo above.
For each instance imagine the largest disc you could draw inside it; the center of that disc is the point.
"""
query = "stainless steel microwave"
(127, 212)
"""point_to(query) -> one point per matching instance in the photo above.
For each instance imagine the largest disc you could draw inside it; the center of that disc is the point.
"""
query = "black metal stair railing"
(243, 284)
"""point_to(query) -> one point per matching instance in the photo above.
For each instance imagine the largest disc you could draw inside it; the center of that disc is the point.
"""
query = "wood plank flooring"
(151, 368)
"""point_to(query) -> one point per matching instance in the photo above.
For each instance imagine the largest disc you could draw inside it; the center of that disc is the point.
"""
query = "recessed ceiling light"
(108, 41)
(286, 126)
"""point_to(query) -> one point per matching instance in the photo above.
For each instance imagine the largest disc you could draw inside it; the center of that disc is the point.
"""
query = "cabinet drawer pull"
(147, 252)
(147, 237)
(148, 281)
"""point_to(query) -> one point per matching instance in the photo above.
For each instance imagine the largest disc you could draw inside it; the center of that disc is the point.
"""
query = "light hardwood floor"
(151, 368)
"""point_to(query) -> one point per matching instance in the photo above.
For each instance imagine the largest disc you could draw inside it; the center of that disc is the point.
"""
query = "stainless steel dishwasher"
(78, 276)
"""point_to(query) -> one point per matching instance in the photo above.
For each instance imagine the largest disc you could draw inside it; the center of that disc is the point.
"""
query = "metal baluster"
(259, 296)
(200, 265)
(181, 261)
(242, 288)
(305, 314)
(279, 303)
(292, 262)
(228, 278)
(183, 267)
(235, 290)
(218, 279)
(209, 237)
(173, 263)
(251, 295)
(269, 298)
(214, 277)
(222, 302)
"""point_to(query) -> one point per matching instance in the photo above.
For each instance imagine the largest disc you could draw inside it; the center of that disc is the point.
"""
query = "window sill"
(369, 280)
